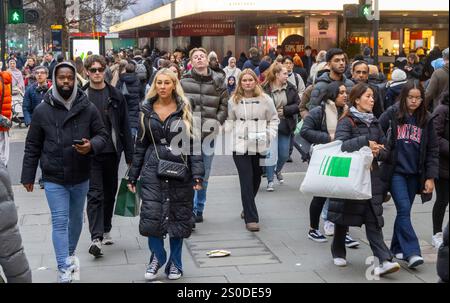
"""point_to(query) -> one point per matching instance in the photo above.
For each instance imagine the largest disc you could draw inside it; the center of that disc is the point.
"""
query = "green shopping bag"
(127, 203)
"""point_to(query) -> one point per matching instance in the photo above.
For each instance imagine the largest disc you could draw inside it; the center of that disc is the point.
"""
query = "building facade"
(237, 25)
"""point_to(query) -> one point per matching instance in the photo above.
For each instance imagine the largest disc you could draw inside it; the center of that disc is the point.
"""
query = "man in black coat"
(104, 172)
(65, 130)
(307, 59)
(49, 63)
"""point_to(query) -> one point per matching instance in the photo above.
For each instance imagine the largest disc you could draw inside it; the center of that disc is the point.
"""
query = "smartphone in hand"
(78, 142)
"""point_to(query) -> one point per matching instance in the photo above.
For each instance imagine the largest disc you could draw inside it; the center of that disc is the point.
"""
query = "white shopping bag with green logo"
(333, 173)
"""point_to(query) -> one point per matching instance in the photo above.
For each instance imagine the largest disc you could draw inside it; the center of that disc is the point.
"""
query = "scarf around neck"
(367, 118)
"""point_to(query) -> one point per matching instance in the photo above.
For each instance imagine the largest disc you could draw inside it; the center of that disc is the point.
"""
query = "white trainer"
(386, 268)
(270, 187)
(341, 262)
(107, 239)
(74, 266)
(415, 261)
(328, 228)
(437, 240)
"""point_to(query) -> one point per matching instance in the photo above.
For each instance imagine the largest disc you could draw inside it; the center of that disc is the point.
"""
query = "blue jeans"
(66, 204)
(403, 190)
(156, 246)
(200, 195)
(324, 213)
(284, 142)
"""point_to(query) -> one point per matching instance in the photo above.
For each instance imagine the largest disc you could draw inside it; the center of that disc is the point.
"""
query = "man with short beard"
(65, 130)
(360, 73)
(336, 61)
(103, 184)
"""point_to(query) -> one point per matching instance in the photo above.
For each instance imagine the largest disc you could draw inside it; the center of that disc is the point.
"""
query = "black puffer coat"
(50, 140)
(166, 204)
(134, 97)
(314, 128)
(429, 148)
(441, 126)
(208, 95)
(355, 134)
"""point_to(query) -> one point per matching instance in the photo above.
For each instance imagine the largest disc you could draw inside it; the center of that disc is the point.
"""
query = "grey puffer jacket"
(208, 96)
(12, 257)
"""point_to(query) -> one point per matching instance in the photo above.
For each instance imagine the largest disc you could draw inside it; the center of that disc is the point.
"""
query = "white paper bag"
(335, 174)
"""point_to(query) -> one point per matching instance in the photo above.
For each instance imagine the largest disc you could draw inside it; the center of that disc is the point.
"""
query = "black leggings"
(315, 209)
(440, 204)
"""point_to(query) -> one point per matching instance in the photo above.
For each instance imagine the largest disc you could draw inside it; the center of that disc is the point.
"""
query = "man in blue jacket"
(34, 93)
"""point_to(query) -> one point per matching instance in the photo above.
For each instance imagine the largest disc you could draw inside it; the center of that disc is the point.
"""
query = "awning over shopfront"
(184, 8)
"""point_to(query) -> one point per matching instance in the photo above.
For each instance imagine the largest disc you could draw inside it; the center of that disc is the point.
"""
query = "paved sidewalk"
(280, 252)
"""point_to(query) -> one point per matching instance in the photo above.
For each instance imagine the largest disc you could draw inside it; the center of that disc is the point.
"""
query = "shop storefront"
(408, 33)
(237, 25)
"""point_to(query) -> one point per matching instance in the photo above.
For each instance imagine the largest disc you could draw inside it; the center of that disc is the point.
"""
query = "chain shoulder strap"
(156, 148)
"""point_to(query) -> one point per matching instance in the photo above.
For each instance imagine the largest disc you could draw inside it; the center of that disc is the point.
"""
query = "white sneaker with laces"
(74, 266)
(107, 239)
(341, 262)
(65, 275)
(328, 228)
(415, 261)
(270, 187)
(437, 240)
(152, 269)
(386, 268)
(174, 273)
(96, 248)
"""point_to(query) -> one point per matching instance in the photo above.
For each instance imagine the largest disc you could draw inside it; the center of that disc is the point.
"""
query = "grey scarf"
(367, 118)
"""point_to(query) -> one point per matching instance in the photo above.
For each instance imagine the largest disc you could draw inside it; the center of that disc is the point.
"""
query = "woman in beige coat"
(254, 124)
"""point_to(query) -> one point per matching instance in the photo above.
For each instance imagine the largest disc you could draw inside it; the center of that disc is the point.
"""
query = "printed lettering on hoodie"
(409, 133)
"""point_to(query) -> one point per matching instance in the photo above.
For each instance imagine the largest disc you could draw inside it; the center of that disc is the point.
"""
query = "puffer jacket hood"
(55, 92)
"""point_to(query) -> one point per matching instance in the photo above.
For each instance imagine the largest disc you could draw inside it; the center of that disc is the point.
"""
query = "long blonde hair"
(239, 92)
(179, 92)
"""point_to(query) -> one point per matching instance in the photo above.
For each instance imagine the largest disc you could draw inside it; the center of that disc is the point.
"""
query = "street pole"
(3, 33)
(376, 29)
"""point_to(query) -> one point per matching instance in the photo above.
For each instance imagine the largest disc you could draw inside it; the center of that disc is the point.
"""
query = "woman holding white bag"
(358, 129)
(319, 127)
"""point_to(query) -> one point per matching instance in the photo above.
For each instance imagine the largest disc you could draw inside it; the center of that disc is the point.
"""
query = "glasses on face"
(94, 70)
(361, 72)
(418, 99)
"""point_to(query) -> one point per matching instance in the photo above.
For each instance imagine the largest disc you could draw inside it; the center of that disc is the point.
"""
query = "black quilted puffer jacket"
(166, 203)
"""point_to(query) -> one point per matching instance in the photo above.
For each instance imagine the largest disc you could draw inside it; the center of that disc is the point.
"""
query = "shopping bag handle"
(126, 174)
